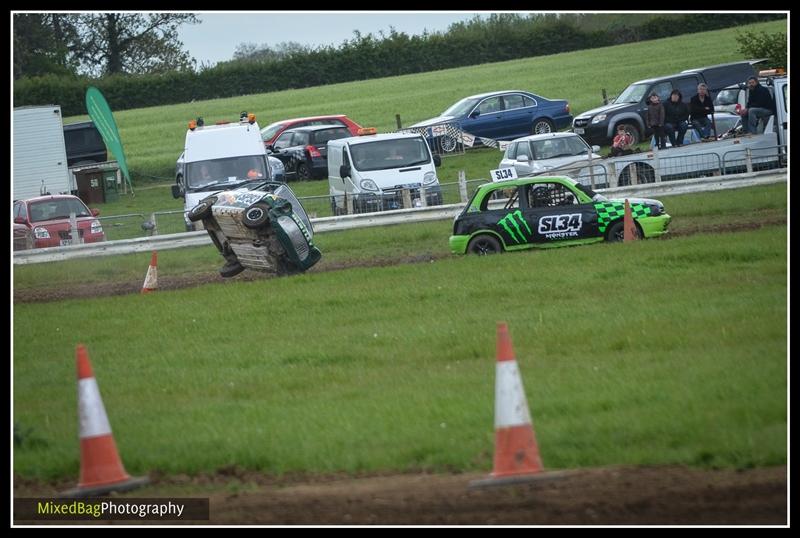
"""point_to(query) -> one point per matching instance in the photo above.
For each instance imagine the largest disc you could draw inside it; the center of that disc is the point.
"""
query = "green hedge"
(501, 37)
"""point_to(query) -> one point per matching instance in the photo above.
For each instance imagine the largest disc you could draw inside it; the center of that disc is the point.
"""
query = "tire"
(644, 174)
(302, 172)
(616, 232)
(202, 210)
(231, 269)
(632, 130)
(542, 126)
(256, 215)
(483, 245)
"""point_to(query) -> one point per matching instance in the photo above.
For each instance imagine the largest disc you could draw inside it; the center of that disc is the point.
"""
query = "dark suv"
(304, 150)
(597, 126)
(84, 144)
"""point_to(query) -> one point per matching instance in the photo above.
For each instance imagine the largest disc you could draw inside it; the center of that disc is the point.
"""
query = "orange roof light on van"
(772, 72)
(192, 125)
(251, 118)
(367, 131)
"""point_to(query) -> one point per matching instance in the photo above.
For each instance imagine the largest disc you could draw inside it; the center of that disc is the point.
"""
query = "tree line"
(138, 61)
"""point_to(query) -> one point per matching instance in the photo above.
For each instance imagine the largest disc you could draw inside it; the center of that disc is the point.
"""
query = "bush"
(764, 45)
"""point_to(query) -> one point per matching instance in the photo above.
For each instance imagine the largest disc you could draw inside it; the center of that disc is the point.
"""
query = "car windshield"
(387, 154)
(57, 209)
(461, 107)
(271, 130)
(554, 148)
(727, 97)
(230, 169)
(632, 94)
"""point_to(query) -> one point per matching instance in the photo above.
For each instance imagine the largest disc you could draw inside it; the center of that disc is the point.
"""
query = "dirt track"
(97, 289)
(603, 496)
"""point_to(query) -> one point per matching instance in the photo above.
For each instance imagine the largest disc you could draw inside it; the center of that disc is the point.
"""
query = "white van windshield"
(387, 154)
(245, 168)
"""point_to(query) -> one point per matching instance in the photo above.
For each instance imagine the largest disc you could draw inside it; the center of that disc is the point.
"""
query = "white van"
(374, 171)
(219, 157)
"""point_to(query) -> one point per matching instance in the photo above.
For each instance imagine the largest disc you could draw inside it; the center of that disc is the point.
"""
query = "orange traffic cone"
(516, 454)
(630, 233)
(101, 468)
(151, 279)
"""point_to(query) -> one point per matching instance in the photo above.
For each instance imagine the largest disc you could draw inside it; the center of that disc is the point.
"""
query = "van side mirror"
(269, 147)
(437, 160)
(19, 220)
(176, 191)
(94, 212)
(344, 171)
(595, 149)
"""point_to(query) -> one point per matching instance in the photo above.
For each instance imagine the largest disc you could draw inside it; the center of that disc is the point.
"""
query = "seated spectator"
(622, 143)
(760, 104)
(700, 107)
(675, 115)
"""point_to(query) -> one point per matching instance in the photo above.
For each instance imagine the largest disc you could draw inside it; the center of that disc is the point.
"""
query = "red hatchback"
(274, 130)
(48, 219)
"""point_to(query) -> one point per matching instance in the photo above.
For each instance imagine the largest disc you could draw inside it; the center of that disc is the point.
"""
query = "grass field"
(153, 137)
(649, 353)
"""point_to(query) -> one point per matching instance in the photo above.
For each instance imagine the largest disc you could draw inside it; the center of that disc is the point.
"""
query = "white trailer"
(40, 156)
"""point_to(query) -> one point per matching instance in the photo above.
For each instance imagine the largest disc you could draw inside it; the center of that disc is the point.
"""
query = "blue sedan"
(505, 115)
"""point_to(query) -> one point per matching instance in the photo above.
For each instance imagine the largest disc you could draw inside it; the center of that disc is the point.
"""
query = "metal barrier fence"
(755, 159)
(123, 226)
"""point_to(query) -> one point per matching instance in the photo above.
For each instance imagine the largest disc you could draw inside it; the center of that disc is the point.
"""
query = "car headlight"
(368, 185)
(97, 228)
(277, 167)
(429, 178)
(598, 118)
(41, 233)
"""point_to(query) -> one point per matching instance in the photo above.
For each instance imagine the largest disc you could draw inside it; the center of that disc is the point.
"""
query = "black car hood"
(605, 109)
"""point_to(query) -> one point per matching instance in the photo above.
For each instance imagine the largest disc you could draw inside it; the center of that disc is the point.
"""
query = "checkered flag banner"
(449, 138)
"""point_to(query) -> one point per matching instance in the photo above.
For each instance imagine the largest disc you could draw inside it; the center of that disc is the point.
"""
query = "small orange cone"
(151, 279)
(516, 451)
(101, 467)
(630, 233)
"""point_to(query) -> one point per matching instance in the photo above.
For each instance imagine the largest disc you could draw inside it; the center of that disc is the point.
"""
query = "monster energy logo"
(509, 221)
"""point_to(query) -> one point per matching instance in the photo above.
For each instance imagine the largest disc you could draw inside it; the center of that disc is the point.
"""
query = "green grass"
(154, 136)
(659, 352)
(690, 211)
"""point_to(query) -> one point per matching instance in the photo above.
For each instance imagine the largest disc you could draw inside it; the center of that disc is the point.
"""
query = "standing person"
(700, 107)
(622, 142)
(760, 104)
(676, 112)
(655, 119)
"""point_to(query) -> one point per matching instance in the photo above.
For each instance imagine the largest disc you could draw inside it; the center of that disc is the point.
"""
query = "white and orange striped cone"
(516, 454)
(101, 467)
(629, 232)
(151, 279)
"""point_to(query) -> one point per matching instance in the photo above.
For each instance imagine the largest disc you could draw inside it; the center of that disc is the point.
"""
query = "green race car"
(541, 212)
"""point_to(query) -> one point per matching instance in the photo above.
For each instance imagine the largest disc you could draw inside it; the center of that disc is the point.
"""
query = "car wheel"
(231, 268)
(632, 130)
(256, 215)
(484, 245)
(542, 126)
(448, 144)
(616, 232)
(202, 210)
(303, 174)
(644, 174)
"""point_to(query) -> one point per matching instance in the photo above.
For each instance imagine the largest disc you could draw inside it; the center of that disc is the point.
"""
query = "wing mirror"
(523, 159)
(437, 160)
(176, 191)
(344, 171)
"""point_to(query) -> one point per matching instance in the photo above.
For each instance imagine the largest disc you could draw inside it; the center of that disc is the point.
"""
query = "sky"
(216, 37)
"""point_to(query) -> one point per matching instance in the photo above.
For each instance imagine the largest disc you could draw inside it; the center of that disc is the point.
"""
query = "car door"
(517, 118)
(554, 213)
(488, 121)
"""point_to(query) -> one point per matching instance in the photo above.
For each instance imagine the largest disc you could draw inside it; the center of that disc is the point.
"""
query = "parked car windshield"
(462, 107)
(271, 130)
(553, 148)
(57, 209)
(250, 167)
(386, 154)
(632, 94)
